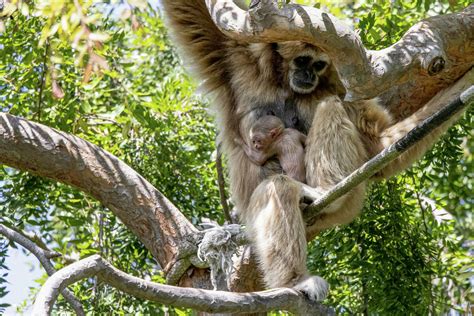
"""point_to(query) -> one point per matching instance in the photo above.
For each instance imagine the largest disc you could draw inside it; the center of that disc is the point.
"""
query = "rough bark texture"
(161, 227)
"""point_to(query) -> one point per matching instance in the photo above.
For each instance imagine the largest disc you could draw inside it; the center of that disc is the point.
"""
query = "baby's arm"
(291, 154)
(258, 157)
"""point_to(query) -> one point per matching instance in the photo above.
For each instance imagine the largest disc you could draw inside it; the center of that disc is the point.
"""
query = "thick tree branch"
(456, 104)
(43, 256)
(142, 208)
(203, 300)
(440, 45)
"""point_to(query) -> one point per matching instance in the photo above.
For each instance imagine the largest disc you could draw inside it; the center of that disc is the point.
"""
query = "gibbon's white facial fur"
(306, 65)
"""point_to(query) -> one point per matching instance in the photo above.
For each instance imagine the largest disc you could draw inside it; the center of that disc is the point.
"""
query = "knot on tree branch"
(217, 248)
(259, 9)
(436, 65)
(207, 249)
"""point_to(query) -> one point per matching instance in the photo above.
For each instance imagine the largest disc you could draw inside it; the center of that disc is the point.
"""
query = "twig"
(42, 81)
(43, 256)
(389, 154)
(197, 299)
(221, 184)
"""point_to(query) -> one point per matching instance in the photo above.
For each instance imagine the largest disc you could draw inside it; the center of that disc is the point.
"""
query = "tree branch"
(202, 300)
(43, 256)
(432, 47)
(461, 100)
(71, 160)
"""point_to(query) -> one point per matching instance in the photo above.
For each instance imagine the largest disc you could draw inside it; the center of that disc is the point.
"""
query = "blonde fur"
(242, 76)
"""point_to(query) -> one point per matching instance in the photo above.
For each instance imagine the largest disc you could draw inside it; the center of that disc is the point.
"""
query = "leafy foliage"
(107, 72)
(3, 273)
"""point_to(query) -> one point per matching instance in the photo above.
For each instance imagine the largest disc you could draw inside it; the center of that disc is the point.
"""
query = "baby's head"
(265, 130)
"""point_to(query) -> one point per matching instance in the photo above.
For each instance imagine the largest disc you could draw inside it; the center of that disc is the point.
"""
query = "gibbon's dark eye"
(270, 112)
(294, 120)
(302, 61)
(319, 65)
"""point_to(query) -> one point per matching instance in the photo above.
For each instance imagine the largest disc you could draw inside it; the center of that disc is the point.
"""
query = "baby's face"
(258, 142)
(261, 141)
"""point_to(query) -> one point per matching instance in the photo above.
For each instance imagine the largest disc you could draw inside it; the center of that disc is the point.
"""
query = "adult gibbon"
(246, 80)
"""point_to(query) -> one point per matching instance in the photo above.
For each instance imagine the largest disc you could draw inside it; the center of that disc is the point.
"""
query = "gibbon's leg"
(400, 129)
(276, 228)
(334, 149)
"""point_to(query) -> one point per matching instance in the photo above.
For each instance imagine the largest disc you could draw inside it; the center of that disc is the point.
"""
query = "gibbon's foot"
(314, 287)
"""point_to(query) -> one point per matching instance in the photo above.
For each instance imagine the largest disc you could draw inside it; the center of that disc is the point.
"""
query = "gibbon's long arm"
(457, 103)
(198, 37)
(433, 108)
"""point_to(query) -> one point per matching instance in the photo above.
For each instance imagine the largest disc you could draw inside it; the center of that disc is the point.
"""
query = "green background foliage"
(107, 72)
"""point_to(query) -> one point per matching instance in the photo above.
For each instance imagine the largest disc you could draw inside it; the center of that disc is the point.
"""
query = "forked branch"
(434, 46)
(202, 300)
(43, 256)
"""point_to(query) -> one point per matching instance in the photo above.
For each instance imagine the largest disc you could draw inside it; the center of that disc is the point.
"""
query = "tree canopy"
(107, 72)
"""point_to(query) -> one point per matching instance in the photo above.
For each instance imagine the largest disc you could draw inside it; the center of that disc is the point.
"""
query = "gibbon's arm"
(198, 37)
(296, 135)
(257, 157)
(400, 129)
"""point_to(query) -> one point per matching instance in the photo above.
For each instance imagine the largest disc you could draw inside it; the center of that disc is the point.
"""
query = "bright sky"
(23, 271)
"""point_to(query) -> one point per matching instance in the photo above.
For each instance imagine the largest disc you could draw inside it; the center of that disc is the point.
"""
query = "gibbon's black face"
(305, 71)
(305, 65)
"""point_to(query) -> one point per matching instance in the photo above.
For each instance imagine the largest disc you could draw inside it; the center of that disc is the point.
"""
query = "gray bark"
(197, 299)
(437, 48)
(43, 257)
(161, 227)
